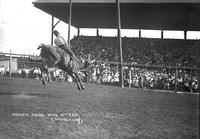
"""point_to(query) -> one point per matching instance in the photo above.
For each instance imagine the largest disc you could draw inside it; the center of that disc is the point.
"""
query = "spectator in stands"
(61, 43)
(141, 81)
(2, 71)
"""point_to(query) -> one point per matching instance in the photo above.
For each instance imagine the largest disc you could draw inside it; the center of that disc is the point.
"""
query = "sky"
(23, 27)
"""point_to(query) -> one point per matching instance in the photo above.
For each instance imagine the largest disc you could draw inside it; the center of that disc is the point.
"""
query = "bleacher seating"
(141, 51)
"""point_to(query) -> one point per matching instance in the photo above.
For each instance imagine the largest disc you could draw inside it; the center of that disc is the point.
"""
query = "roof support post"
(120, 42)
(52, 27)
(97, 32)
(185, 34)
(70, 18)
(162, 34)
(78, 34)
(140, 33)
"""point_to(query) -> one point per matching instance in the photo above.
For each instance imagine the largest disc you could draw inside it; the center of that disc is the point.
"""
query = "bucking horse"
(50, 54)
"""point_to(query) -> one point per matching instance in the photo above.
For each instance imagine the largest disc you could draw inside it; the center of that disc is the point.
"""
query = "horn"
(91, 62)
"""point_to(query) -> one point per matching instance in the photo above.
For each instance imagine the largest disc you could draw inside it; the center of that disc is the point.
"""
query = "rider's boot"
(71, 60)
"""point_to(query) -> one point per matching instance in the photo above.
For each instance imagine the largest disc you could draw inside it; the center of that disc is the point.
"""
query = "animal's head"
(89, 63)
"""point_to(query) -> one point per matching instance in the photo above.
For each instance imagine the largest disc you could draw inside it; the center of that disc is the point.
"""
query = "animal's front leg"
(87, 76)
(76, 80)
(79, 80)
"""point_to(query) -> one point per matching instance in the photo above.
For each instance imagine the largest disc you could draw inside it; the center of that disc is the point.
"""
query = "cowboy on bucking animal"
(61, 43)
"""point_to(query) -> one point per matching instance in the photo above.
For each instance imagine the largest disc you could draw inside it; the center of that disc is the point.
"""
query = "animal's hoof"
(44, 83)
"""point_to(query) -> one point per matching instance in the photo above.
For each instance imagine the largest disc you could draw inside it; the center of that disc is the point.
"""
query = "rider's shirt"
(59, 40)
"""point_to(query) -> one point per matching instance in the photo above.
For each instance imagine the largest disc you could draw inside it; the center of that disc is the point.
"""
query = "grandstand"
(153, 59)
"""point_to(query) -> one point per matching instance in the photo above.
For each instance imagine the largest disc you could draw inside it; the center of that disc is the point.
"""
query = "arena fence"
(172, 78)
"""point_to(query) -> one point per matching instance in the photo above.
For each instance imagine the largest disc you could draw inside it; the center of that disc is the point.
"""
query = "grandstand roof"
(135, 14)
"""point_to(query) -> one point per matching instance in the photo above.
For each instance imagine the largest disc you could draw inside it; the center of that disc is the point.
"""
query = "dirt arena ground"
(29, 110)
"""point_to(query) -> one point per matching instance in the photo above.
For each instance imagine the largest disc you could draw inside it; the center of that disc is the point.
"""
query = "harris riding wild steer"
(51, 54)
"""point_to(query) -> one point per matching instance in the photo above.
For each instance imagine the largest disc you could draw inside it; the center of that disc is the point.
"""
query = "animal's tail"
(40, 46)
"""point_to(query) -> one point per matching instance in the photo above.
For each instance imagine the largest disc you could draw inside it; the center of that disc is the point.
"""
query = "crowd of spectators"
(35, 73)
(148, 52)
